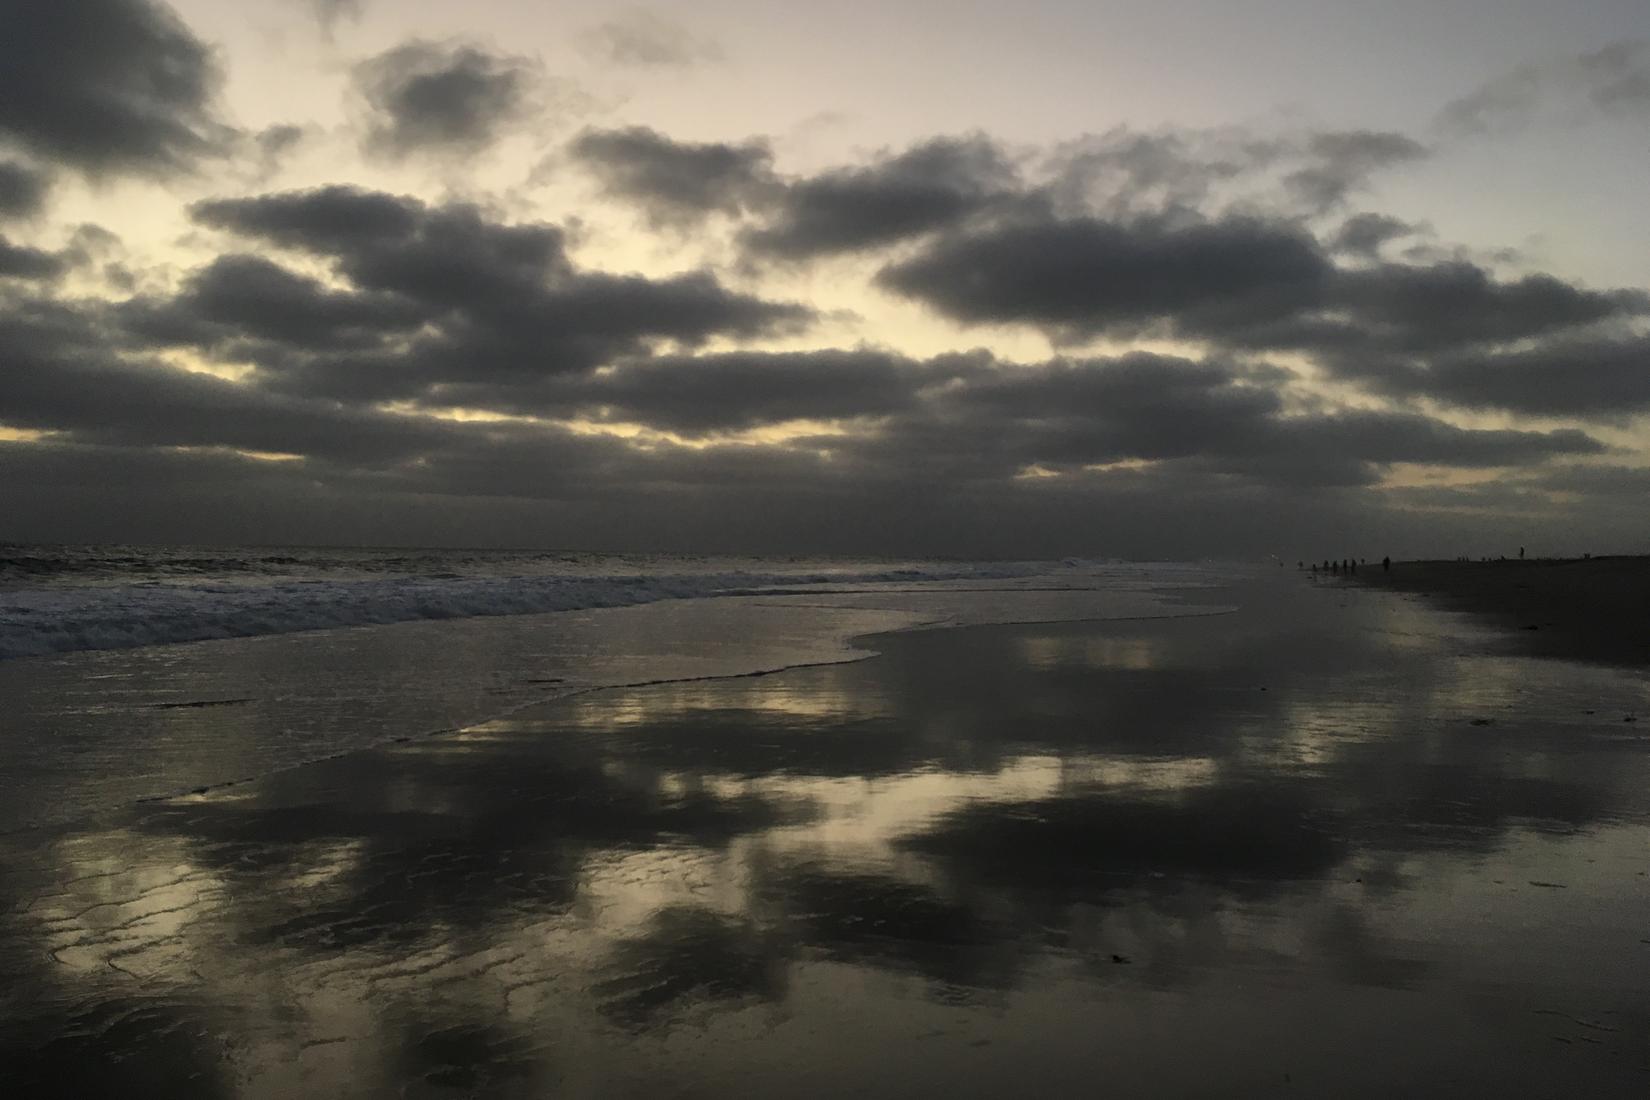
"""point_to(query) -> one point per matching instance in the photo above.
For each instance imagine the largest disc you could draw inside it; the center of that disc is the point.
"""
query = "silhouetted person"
(1314, 569)
(1386, 565)
(1520, 553)
(1352, 566)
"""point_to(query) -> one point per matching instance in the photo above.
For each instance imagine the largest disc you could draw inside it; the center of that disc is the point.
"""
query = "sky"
(1152, 280)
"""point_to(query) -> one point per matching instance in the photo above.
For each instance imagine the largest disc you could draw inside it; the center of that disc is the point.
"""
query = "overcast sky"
(927, 277)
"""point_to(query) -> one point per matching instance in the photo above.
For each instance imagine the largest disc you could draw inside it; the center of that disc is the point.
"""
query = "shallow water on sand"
(1336, 843)
(83, 732)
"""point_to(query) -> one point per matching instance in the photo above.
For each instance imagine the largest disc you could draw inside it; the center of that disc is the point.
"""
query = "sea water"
(129, 672)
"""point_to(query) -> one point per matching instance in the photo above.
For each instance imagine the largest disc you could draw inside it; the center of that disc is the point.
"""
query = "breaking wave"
(38, 621)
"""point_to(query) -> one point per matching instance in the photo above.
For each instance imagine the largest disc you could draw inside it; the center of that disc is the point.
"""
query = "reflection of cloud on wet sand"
(978, 817)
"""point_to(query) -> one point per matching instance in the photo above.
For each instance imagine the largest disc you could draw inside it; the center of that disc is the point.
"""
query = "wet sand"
(1595, 609)
(1337, 843)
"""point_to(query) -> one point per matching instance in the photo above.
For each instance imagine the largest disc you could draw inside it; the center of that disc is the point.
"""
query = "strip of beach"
(1336, 842)
(1586, 609)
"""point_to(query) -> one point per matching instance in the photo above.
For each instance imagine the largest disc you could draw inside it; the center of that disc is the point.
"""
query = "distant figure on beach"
(1386, 565)
(1520, 553)
(1314, 569)
(1352, 566)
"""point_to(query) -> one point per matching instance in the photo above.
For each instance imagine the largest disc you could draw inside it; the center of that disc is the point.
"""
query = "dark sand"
(1337, 844)
(1595, 609)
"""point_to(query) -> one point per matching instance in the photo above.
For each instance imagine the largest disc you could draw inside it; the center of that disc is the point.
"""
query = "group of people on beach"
(1345, 565)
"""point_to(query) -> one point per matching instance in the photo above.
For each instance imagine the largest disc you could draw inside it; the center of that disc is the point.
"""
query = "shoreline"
(1584, 609)
(177, 690)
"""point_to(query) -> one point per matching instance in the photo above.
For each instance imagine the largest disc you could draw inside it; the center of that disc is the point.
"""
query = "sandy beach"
(1338, 842)
(1594, 609)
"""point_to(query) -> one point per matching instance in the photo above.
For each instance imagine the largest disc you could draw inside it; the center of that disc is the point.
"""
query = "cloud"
(336, 216)
(23, 189)
(275, 142)
(108, 86)
(1613, 81)
(1595, 377)
(645, 39)
(959, 418)
(239, 298)
(22, 262)
(1245, 282)
(954, 432)
(1072, 414)
(678, 183)
(735, 391)
(1340, 163)
(67, 373)
(329, 13)
(1081, 276)
(442, 98)
(1443, 305)
(928, 187)
(500, 304)
(632, 406)
(1619, 77)
(1125, 173)
(1364, 235)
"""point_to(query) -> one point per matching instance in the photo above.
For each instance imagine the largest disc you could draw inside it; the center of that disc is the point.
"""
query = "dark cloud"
(1072, 414)
(23, 189)
(958, 418)
(1241, 281)
(646, 39)
(237, 298)
(1341, 163)
(443, 98)
(1384, 438)
(336, 217)
(1364, 235)
(1632, 482)
(64, 376)
(1442, 305)
(1084, 276)
(678, 183)
(108, 86)
(928, 187)
(740, 390)
(444, 255)
(937, 438)
(1605, 378)
(22, 262)
(275, 142)
(501, 304)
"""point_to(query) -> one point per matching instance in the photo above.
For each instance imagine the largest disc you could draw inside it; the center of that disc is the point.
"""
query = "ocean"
(134, 672)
